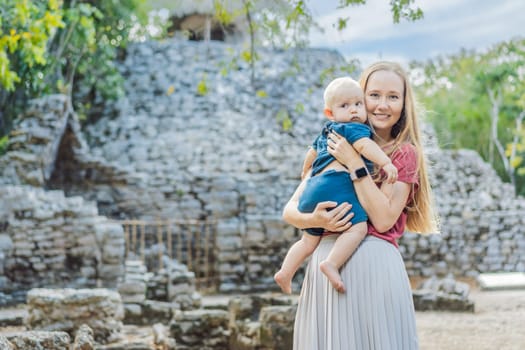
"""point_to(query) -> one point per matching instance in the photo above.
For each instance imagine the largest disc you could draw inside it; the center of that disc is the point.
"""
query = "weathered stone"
(84, 339)
(68, 309)
(5, 344)
(200, 329)
(277, 326)
(443, 294)
(40, 340)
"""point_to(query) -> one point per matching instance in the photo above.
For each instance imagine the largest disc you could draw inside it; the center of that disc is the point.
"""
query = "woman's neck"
(383, 139)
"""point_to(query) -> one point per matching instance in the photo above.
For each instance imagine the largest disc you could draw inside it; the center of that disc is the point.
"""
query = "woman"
(377, 311)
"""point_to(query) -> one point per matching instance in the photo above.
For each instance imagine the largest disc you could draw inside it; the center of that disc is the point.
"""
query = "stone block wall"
(47, 239)
(482, 221)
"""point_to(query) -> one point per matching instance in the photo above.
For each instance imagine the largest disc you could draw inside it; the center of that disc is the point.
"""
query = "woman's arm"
(332, 221)
(383, 205)
(308, 161)
(371, 151)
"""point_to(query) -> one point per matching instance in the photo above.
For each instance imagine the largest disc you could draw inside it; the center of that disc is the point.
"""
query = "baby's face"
(349, 107)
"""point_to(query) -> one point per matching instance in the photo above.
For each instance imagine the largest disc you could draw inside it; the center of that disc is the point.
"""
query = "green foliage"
(54, 46)
(261, 93)
(202, 86)
(25, 29)
(230, 64)
(477, 101)
(346, 3)
(401, 9)
(299, 108)
(284, 119)
(342, 23)
(101, 29)
(3, 144)
(332, 72)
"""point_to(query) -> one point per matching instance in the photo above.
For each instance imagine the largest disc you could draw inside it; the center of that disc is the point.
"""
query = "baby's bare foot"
(284, 281)
(333, 276)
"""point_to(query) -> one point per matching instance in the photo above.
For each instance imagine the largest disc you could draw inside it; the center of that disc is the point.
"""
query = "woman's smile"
(381, 116)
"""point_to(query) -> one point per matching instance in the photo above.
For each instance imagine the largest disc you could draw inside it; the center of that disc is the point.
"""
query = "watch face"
(361, 172)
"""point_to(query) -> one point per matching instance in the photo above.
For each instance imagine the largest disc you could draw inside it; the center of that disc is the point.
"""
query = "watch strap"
(358, 173)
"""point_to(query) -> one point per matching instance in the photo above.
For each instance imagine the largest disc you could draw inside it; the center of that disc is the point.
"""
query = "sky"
(447, 26)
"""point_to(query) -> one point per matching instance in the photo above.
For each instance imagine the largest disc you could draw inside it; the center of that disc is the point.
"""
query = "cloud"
(366, 58)
(366, 20)
(448, 26)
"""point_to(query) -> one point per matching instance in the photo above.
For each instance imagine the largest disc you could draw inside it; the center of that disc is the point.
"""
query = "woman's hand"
(339, 147)
(328, 215)
(334, 220)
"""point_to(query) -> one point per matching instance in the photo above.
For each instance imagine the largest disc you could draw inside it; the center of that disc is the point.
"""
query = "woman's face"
(384, 96)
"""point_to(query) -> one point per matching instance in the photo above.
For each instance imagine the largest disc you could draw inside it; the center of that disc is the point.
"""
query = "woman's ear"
(328, 113)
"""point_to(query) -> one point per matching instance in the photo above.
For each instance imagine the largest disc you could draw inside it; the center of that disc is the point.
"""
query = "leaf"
(53, 4)
(3, 144)
(261, 94)
(171, 90)
(284, 119)
(342, 23)
(202, 87)
(516, 162)
(246, 56)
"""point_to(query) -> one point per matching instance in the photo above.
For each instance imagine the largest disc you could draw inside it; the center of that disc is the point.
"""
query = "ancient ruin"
(165, 151)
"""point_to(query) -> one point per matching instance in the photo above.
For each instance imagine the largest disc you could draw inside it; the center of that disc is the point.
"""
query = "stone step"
(501, 280)
(12, 317)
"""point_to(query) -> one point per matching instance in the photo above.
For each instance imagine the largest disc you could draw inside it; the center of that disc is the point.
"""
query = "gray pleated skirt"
(375, 313)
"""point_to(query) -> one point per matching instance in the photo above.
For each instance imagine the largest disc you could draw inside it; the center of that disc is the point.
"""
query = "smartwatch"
(359, 173)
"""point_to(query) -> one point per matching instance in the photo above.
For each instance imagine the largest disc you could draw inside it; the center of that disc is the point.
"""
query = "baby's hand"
(391, 173)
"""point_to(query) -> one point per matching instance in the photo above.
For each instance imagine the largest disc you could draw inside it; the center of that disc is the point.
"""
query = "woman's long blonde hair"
(422, 217)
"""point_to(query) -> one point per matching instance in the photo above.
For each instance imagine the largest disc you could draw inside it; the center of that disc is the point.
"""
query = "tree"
(477, 101)
(25, 29)
(46, 45)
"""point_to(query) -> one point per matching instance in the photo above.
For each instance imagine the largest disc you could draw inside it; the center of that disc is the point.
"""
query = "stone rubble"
(442, 293)
(38, 340)
(69, 309)
(84, 339)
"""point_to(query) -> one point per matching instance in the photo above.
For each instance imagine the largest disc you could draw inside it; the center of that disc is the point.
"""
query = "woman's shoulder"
(405, 158)
(406, 147)
(404, 150)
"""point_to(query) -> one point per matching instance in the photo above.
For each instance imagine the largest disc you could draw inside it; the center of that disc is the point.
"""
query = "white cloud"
(448, 25)
(367, 58)
(368, 20)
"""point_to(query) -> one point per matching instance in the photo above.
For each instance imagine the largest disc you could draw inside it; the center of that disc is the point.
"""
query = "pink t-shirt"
(405, 160)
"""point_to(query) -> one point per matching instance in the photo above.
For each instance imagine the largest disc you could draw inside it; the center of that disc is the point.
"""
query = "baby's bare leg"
(343, 248)
(299, 251)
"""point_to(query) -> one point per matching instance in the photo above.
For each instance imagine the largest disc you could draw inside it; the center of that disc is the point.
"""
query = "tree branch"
(495, 100)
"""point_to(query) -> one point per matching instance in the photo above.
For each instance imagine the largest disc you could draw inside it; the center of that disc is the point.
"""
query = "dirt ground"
(498, 323)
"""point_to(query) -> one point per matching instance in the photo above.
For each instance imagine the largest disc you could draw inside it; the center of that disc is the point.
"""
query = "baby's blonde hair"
(338, 87)
(422, 217)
